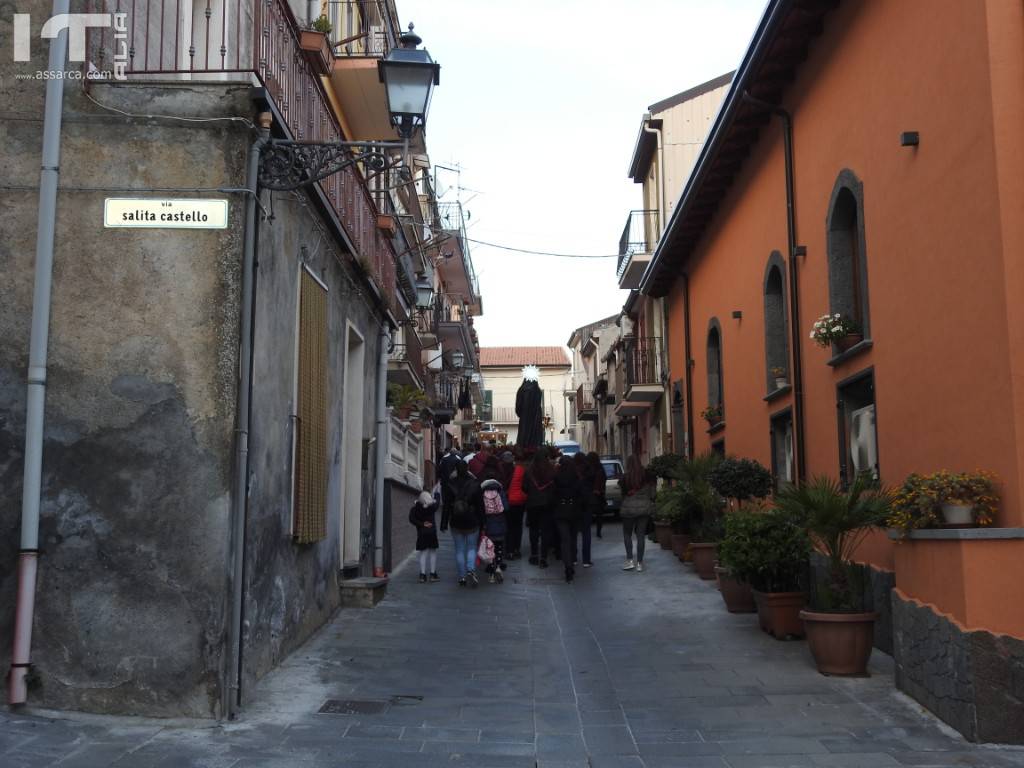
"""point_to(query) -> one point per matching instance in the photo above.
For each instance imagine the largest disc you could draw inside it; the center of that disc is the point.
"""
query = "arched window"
(716, 390)
(776, 347)
(847, 263)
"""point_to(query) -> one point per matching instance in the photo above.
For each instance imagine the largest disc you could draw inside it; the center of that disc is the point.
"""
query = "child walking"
(495, 527)
(422, 516)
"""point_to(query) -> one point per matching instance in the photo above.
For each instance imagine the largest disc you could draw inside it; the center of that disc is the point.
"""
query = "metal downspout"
(379, 455)
(689, 366)
(794, 296)
(49, 178)
(233, 688)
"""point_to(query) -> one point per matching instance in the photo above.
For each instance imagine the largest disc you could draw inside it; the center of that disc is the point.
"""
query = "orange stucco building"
(906, 184)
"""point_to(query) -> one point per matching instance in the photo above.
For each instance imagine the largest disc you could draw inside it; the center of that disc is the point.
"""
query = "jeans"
(629, 525)
(465, 551)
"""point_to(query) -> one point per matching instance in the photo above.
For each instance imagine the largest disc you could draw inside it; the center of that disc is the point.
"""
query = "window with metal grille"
(310, 514)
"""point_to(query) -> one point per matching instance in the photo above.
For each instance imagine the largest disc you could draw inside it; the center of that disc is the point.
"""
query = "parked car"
(613, 471)
(567, 447)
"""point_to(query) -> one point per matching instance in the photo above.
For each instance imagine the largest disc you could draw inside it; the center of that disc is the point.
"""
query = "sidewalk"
(618, 670)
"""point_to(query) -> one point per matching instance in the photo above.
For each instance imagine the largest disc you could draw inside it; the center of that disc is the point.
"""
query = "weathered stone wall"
(402, 538)
(292, 589)
(974, 680)
(140, 403)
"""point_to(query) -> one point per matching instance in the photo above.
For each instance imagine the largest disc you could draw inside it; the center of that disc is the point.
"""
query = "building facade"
(828, 185)
(215, 433)
(502, 371)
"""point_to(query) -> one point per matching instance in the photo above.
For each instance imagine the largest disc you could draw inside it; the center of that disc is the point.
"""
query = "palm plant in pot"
(703, 505)
(839, 624)
(405, 398)
(672, 513)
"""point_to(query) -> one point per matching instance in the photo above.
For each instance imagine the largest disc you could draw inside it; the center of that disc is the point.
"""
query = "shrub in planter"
(740, 479)
(840, 629)
(667, 466)
(734, 551)
(405, 399)
(920, 501)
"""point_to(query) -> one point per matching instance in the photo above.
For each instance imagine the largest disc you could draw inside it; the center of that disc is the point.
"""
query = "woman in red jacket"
(517, 505)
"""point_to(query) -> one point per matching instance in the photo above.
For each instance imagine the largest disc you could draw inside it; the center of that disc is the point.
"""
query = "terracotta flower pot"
(849, 341)
(664, 533)
(703, 555)
(779, 613)
(680, 541)
(316, 49)
(840, 642)
(738, 596)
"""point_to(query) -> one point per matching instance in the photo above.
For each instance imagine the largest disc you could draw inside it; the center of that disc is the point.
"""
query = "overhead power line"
(546, 253)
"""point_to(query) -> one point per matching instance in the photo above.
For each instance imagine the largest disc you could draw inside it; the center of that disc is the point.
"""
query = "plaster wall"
(292, 589)
(934, 239)
(140, 404)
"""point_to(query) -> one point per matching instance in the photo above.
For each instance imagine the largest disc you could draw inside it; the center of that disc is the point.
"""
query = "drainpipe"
(28, 555)
(794, 303)
(379, 456)
(233, 688)
(689, 366)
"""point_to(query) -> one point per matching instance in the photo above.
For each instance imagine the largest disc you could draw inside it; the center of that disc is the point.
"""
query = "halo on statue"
(531, 373)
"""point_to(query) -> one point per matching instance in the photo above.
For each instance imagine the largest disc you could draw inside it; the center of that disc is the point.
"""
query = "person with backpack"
(465, 518)
(539, 488)
(494, 526)
(422, 516)
(638, 488)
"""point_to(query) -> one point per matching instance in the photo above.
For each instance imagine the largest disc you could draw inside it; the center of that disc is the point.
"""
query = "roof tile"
(506, 357)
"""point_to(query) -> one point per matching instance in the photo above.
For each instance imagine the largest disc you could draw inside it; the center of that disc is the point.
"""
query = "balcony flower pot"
(703, 555)
(386, 224)
(680, 541)
(664, 533)
(316, 50)
(958, 515)
(778, 613)
(738, 596)
(848, 342)
(840, 642)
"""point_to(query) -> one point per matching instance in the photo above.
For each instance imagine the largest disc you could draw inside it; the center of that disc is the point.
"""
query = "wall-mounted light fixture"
(910, 139)
(800, 250)
(737, 314)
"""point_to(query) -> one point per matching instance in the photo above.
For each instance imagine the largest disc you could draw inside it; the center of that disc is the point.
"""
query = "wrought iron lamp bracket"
(287, 165)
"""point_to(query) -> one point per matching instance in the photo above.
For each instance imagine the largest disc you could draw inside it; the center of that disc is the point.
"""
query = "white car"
(612, 492)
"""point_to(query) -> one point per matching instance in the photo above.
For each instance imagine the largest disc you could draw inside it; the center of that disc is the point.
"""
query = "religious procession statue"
(529, 403)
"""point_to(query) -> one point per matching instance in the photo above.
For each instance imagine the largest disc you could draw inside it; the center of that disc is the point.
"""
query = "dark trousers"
(588, 519)
(567, 537)
(540, 522)
(639, 525)
(514, 536)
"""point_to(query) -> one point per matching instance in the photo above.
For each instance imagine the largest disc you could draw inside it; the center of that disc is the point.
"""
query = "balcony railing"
(586, 406)
(644, 361)
(360, 27)
(409, 354)
(640, 235)
(225, 40)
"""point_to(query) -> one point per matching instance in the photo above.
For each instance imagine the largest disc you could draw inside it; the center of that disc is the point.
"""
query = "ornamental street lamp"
(409, 75)
(424, 294)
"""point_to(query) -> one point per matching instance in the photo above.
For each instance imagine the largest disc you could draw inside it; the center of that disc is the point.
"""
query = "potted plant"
(703, 506)
(736, 551)
(837, 330)
(667, 514)
(713, 414)
(775, 566)
(840, 627)
(665, 467)
(405, 398)
(316, 46)
(739, 481)
(954, 499)
(779, 374)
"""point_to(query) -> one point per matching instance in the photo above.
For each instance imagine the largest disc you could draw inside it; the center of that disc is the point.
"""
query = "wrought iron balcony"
(639, 238)
(235, 41)
(586, 405)
(645, 371)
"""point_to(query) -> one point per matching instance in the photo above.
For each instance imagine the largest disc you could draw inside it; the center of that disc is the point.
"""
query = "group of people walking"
(486, 501)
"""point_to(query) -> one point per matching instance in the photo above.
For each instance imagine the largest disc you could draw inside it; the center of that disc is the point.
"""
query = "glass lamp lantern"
(409, 76)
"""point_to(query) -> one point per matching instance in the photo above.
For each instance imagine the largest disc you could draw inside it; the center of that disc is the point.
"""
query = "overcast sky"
(540, 103)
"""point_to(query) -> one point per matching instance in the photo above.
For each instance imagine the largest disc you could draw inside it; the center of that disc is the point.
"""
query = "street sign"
(155, 213)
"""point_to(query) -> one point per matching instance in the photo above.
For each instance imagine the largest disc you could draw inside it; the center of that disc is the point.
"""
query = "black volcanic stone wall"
(974, 680)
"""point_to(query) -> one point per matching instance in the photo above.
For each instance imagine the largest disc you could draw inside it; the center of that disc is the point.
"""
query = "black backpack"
(462, 511)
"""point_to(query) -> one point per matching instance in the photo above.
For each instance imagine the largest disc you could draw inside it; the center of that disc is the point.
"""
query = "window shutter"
(311, 455)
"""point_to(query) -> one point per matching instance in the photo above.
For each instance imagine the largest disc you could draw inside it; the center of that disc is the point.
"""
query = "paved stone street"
(619, 670)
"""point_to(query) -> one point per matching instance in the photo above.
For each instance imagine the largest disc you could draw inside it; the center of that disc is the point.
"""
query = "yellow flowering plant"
(918, 502)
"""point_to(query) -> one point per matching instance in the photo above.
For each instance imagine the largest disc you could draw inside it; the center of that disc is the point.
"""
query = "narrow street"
(619, 670)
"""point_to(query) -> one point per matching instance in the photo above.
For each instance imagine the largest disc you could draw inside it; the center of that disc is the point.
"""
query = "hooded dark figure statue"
(528, 407)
